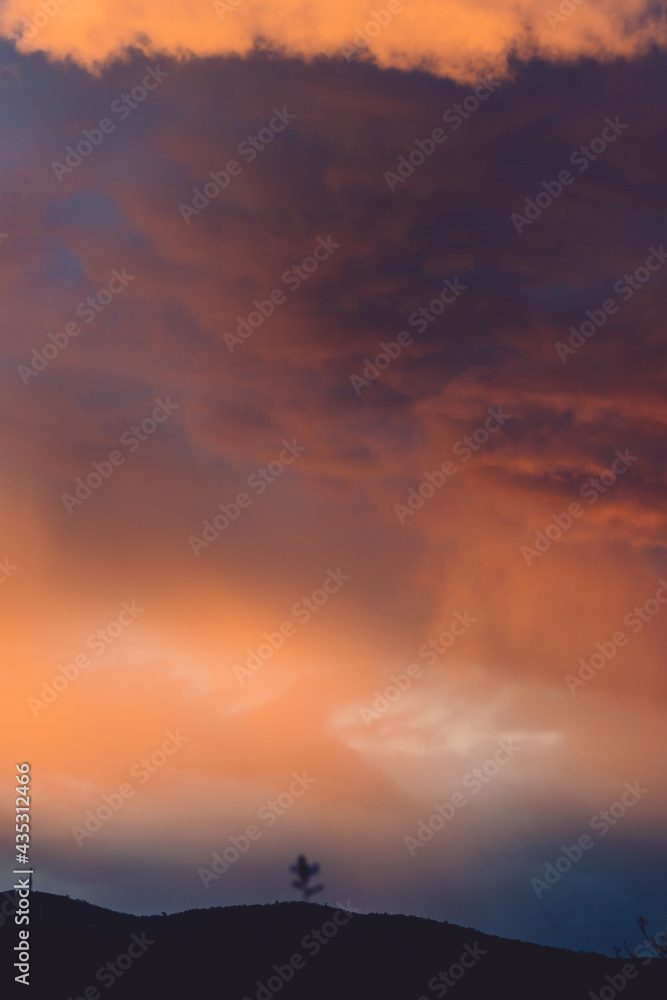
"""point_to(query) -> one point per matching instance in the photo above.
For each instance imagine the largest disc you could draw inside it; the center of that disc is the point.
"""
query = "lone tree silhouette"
(305, 873)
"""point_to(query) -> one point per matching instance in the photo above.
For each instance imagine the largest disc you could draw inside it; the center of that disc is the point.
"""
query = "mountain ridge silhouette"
(245, 952)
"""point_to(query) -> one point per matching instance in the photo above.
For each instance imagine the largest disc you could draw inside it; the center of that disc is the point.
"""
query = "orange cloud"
(335, 506)
(454, 39)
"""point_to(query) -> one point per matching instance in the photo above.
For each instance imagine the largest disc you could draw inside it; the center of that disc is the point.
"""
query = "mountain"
(302, 951)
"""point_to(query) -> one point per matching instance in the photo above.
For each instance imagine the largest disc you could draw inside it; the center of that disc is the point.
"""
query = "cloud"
(457, 39)
(335, 507)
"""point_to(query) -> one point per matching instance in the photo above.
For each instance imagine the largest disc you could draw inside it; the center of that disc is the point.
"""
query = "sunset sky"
(203, 461)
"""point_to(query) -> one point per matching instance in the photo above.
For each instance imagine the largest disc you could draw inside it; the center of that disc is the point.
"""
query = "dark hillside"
(302, 951)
